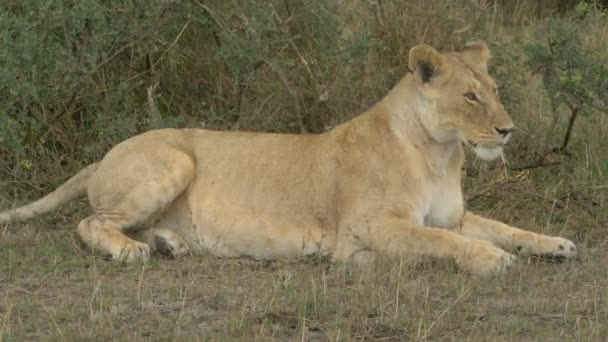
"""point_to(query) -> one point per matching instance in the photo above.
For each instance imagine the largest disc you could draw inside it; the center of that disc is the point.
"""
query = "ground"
(51, 286)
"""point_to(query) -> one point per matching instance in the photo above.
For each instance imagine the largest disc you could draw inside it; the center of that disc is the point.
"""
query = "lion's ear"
(478, 52)
(425, 61)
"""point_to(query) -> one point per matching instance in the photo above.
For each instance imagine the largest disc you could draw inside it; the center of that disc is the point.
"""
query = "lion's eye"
(471, 97)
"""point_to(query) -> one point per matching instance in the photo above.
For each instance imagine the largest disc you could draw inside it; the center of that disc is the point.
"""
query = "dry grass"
(52, 288)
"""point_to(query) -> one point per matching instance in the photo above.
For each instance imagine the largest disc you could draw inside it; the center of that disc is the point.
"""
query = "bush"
(574, 72)
(557, 69)
(75, 73)
(71, 79)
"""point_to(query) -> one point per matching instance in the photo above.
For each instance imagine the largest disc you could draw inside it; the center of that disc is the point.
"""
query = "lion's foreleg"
(514, 239)
(397, 237)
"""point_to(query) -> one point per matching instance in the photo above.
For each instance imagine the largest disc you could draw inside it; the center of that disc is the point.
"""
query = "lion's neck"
(405, 107)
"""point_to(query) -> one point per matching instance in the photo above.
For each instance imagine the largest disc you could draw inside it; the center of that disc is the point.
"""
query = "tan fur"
(385, 182)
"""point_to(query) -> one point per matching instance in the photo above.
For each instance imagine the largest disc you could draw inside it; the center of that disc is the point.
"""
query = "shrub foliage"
(75, 74)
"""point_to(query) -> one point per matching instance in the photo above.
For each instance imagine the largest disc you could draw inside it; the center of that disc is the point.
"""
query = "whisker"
(486, 140)
(506, 165)
(484, 135)
(528, 134)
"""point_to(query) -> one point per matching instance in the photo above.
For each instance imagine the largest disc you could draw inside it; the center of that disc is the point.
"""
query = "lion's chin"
(488, 153)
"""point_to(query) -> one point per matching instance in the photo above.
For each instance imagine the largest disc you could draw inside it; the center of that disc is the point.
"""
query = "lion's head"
(462, 99)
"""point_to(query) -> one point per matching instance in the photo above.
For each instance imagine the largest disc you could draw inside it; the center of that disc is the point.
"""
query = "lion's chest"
(445, 206)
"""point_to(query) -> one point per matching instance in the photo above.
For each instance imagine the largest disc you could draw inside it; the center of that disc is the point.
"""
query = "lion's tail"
(73, 188)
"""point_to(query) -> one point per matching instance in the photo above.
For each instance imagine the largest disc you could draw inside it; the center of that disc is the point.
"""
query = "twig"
(219, 24)
(426, 333)
(292, 93)
(172, 44)
(282, 22)
(493, 22)
(287, 8)
(52, 318)
(539, 162)
(380, 14)
(573, 114)
(535, 165)
(213, 16)
(153, 109)
(6, 320)
(114, 55)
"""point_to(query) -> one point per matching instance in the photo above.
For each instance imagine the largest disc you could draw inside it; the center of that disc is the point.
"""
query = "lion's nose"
(504, 131)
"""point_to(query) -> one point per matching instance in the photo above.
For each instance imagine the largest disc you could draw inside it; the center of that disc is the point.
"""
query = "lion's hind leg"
(106, 237)
(164, 241)
(129, 188)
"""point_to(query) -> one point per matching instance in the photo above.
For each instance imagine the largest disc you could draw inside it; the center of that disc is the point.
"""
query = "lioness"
(387, 182)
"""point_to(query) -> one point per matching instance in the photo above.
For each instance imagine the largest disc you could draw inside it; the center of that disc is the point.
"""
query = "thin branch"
(535, 165)
(217, 21)
(282, 22)
(446, 310)
(172, 44)
(213, 16)
(152, 108)
(538, 163)
(292, 92)
(112, 57)
(573, 115)
(286, 3)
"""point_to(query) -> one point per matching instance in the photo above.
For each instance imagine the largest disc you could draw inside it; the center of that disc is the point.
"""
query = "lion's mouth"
(486, 152)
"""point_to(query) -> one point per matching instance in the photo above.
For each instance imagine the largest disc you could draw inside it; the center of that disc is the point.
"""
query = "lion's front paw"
(484, 259)
(548, 247)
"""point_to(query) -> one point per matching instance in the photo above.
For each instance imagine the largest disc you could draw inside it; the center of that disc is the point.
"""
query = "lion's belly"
(234, 234)
(210, 225)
